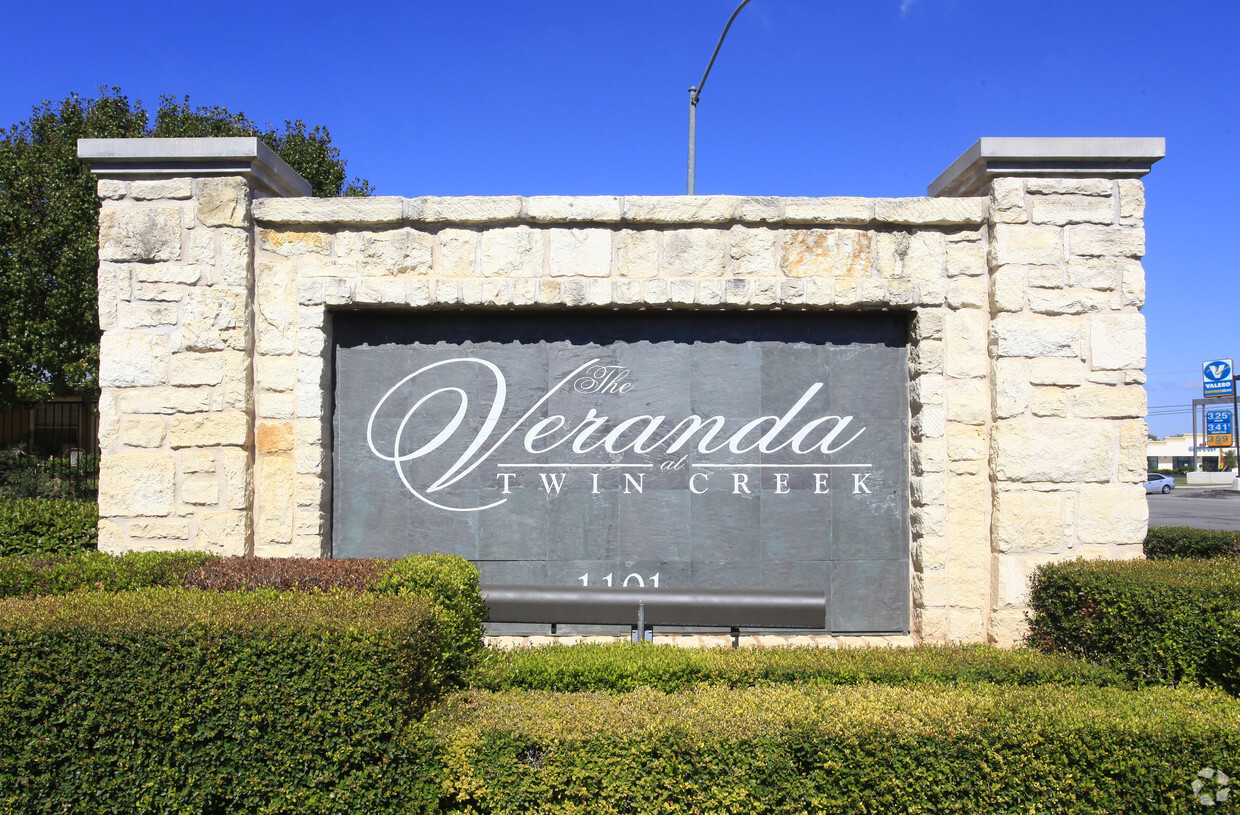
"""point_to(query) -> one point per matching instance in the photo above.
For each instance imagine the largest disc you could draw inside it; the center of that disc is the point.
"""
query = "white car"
(1157, 482)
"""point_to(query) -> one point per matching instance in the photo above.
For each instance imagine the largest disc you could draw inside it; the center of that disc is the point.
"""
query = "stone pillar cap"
(245, 156)
(1054, 157)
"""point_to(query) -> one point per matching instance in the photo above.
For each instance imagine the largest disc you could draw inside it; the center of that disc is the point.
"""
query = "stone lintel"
(990, 158)
(245, 156)
(719, 211)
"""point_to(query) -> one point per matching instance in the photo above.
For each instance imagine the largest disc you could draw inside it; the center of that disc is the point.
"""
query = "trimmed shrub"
(171, 700)
(40, 526)
(1158, 622)
(448, 582)
(622, 667)
(865, 748)
(307, 574)
(36, 576)
(451, 583)
(1166, 542)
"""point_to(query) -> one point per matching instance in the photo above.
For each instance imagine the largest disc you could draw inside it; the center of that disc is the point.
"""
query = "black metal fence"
(50, 450)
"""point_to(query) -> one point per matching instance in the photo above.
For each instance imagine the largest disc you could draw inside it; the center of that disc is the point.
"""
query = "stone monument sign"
(908, 403)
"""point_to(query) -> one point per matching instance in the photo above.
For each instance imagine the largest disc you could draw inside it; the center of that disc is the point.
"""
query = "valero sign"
(1216, 378)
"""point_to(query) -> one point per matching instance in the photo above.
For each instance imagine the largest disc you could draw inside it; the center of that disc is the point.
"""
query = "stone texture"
(275, 500)
(1068, 186)
(841, 210)
(965, 343)
(174, 530)
(1031, 245)
(1101, 241)
(1016, 335)
(224, 533)
(139, 233)
(1059, 452)
(111, 189)
(1068, 301)
(1112, 514)
(171, 188)
(1071, 209)
(515, 251)
(133, 360)
(223, 202)
(143, 431)
(579, 253)
(295, 242)
(213, 319)
(693, 253)
(1011, 388)
(1026, 522)
(678, 209)
(209, 430)
(931, 211)
(196, 369)
(968, 401)
(925, 256)
(1092, 273)
(136, 484)
(966, 443)
(1109, 403)
(1007, 289)
(201, 492)
(1056, 372)
(1131, 201)
(1117, 341)
(565, 209)
(826, 253)
(373, 210)
(754, 252)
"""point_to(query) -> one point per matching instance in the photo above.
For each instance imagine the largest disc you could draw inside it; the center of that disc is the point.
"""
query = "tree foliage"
(49, 224)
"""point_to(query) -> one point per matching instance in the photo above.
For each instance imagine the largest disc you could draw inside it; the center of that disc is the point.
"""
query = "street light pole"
(695, 93)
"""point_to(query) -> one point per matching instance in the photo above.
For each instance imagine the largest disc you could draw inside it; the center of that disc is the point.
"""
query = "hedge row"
(57, 575)
(172, 700)
(448, 582)
(38, 526)
(1158, 622)
(1167, 542)
(865, 748)
(623, 667)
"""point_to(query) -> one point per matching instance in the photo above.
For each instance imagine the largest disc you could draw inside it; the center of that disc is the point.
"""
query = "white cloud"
(905, 5)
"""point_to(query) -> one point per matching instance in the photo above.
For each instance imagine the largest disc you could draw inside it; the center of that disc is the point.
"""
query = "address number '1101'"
(630, 581)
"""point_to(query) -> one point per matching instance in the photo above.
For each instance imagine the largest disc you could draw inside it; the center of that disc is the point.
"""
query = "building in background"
(1176, 453)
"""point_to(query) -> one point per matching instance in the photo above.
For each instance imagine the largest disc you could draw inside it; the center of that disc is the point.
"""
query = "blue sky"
(808, 97)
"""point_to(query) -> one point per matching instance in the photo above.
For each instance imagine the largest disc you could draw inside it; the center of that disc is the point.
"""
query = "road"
(1200, 507)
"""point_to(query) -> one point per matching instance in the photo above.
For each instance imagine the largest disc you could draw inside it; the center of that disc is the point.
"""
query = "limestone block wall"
(1067, 375)
(1026, 347)
(176, 408)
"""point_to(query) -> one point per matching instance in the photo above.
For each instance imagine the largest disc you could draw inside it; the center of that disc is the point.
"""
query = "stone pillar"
(1067, 425)
(176, 301)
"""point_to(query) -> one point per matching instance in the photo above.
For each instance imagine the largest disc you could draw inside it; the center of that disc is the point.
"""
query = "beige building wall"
(1022, 280)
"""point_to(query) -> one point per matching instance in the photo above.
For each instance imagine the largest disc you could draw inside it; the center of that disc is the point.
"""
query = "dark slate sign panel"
(688, 450)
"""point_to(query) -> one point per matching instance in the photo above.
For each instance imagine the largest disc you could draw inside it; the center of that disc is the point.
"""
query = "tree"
(49, 224)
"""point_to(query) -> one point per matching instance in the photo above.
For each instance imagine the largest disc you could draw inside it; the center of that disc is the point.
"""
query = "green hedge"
(448, 582)
(171, 700)
(44, 576)
(38, 526)
(859, 749)
(624, 667)
(1167, 542)
(1159, 622)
